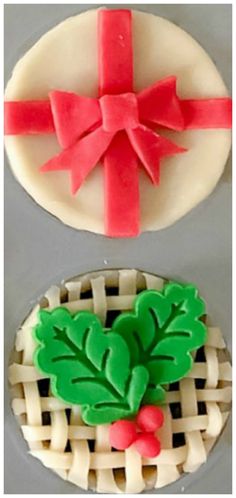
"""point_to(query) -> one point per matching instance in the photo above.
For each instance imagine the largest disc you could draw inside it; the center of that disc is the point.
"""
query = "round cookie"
(65, 58)
(195, 410)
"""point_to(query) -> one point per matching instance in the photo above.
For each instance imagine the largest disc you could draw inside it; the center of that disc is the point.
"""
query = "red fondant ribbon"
(115, 127)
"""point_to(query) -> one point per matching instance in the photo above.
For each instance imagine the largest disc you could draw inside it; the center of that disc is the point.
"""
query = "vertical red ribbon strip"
(121, 183)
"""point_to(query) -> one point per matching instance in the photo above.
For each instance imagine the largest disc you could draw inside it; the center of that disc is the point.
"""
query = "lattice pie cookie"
(117, 121)
(118, 382)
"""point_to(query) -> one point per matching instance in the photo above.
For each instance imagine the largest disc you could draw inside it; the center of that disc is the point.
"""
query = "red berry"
(122, 434)
(148, 445)
(150, 418)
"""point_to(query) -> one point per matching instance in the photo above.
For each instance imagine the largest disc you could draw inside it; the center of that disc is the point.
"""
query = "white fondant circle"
(65, 58)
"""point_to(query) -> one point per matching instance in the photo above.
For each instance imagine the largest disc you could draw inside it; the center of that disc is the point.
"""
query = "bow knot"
(119, 112)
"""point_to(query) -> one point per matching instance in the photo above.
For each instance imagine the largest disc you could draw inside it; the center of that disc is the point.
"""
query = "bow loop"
(73, 116)
(159, 104)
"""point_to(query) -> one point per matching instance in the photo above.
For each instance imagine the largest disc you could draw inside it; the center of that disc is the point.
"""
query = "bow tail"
(81, 157)
(151, 148)
(122, 211)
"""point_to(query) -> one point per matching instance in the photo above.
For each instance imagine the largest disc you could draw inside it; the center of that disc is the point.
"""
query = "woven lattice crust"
(195, 412)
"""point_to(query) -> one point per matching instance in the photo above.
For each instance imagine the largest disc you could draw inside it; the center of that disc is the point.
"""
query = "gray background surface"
(40, 250)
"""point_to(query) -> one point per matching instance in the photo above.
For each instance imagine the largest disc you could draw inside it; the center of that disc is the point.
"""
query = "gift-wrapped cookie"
(117, 122)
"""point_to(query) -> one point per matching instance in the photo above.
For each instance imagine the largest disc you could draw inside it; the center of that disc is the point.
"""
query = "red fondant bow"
(86, 127)
(114, 127)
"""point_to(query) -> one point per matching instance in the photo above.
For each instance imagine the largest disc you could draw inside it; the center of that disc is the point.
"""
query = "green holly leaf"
(88, 365)
(110, 372)
(161, 333)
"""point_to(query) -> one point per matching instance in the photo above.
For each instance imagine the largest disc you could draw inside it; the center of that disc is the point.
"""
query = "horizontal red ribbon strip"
(32, 117)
